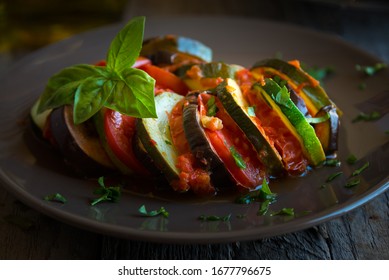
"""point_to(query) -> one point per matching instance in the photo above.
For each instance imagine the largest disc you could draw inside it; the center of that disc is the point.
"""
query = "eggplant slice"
(79, 144)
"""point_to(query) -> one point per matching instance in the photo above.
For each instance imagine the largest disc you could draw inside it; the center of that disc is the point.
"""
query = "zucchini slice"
(237, 107)
(313, 94)
(207, 75)
(154, 134)
(278, 98)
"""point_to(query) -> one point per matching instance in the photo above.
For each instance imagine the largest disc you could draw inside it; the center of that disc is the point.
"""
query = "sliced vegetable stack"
(162, 107)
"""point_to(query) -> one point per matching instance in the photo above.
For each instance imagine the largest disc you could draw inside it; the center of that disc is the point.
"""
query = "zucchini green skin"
(316, 94)
(236, 106)
(154, 133)
(212, 70)
(177, 44)
(311, 144)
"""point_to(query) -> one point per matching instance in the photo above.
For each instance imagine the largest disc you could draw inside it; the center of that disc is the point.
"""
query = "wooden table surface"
(361, 234)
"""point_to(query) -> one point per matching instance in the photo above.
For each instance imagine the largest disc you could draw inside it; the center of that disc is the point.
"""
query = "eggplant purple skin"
(200, 146)
(334, 126)
(69, 147)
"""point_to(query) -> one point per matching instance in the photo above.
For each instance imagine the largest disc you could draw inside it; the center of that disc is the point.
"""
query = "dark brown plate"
(30, 170)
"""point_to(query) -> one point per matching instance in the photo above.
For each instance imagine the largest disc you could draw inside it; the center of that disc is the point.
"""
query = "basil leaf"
(126, 46)
(90, 97)
(61, 87)
(133, 94)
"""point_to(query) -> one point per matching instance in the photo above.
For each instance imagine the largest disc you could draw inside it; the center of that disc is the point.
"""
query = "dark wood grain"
(360, 234)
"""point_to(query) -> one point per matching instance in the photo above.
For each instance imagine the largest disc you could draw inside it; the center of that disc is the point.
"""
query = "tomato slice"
(165, 79)
(231, 137)
(119, 130)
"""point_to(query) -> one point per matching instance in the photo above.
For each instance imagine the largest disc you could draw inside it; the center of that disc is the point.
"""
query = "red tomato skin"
(165, 80)
(119, 131)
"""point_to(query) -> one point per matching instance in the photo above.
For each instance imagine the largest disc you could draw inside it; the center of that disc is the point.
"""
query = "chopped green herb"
(281, 82)
(360, 170)
(371, 70)
(352, 183)
(264, 208)
(332, 162)
(111, 194)
(351, 159)
(333, 176)
(264, 193)
(161, 211)
(238, 158)
(282, 97)
(373, 116)
(211, 106)
(318, 119)
(284, 211)
(215, 218)
(251, 111)
(168, 142)
(55, 197)
(362, 86)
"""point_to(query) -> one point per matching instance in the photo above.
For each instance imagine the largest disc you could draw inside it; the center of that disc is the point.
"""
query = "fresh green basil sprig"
(117, 85)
